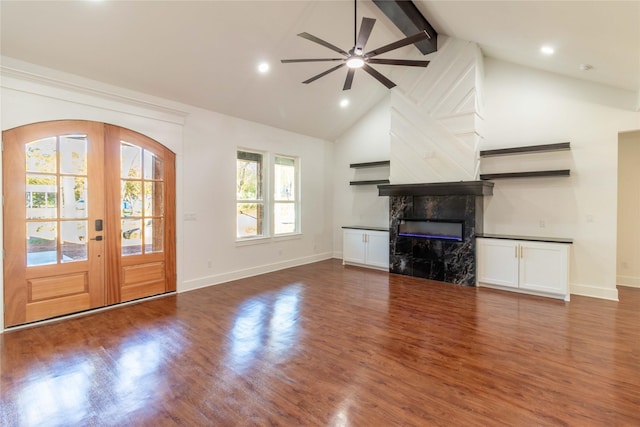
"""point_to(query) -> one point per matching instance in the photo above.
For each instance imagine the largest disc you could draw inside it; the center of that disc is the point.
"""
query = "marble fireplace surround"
(436, 259)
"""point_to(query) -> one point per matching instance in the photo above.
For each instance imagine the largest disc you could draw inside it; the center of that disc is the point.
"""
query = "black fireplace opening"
(449, 230)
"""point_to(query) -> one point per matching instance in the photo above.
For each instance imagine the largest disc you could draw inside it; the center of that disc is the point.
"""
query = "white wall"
(366, 141)
(526, 107)
(629, 209)
(210, 144)
(205, 144)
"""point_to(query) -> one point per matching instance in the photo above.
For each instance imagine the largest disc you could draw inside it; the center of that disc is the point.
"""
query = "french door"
(89, 218)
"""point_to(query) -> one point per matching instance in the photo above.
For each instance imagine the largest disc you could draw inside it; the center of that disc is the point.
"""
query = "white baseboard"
(629, 281)
(217, 279)
(594, 292)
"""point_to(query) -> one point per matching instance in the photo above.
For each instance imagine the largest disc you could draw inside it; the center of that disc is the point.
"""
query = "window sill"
(271, 239)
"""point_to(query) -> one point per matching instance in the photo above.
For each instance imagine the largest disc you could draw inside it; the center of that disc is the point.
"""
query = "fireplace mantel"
(460, 188)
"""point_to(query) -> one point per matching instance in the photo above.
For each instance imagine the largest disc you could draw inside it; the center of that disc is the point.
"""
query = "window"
(261, 212)
(285, 203)
(249, 195)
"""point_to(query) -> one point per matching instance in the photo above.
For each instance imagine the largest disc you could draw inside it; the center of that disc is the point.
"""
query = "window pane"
(249, 219)
(73, 235)
(42, 243)
(131, 198)
(284, 217)
(41, 196)
(153, 199)
(73, 154)
(153, 235)
(285, 175)
(130, 161)
(153, 167)
(131, 236)
(73, 192)
(249, 176)
(41, 155)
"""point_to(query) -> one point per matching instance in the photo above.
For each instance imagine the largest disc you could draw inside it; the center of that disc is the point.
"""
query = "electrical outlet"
(543, 223)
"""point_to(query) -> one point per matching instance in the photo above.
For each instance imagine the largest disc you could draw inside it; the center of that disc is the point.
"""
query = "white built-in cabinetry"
(365, 246)
(536, 267)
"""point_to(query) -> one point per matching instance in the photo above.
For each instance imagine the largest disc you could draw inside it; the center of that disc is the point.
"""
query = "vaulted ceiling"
(206, 53)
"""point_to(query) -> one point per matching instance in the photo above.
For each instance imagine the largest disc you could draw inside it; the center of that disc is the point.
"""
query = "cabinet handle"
(516, 249)
(521, 252)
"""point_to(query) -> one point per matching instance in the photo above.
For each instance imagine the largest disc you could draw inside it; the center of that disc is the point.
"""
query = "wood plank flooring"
(327, 345)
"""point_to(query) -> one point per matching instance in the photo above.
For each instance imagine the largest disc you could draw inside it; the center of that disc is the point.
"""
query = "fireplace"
(432, 229)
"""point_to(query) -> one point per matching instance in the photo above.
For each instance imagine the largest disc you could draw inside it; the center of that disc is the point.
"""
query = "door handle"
(97, 238)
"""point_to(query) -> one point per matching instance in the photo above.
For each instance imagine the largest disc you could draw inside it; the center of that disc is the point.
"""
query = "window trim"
(296, 195)
(268, 199)
(263, 191)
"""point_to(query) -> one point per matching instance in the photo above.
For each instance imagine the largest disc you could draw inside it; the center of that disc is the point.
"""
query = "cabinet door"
(543, 267)
(497, 262)
(377, 249)
(353, 246)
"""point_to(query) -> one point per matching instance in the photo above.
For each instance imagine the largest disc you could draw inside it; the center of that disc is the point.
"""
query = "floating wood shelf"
(531, 174)
(370, 182)
(561, 146)
(370, 164)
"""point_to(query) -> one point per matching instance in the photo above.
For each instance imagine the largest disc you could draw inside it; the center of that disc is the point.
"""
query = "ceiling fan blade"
(349, 79)
(288, 61)
(382, 79)
(365, 31)
(330, 70)
(422, 35)
(407, 62)
(323, 43)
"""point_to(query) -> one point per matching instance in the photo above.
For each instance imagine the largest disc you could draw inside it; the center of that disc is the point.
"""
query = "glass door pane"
(56, 199)
(142, 200)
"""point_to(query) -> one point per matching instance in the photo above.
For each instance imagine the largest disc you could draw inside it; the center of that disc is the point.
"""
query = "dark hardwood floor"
(327, 345)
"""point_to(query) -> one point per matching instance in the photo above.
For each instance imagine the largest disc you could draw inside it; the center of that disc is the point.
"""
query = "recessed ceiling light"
(547, 50)
(263, 67)
(344, 103)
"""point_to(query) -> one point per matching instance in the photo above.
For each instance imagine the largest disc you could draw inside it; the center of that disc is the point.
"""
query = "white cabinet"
(365, 247)
(540, 268)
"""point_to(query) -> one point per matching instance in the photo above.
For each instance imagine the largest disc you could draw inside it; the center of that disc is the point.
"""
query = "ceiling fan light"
(355, 62)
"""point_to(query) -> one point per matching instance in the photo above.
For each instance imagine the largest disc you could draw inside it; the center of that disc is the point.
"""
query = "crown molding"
(92, 88)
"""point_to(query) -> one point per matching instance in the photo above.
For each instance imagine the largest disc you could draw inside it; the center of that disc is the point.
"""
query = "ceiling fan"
(357, 58)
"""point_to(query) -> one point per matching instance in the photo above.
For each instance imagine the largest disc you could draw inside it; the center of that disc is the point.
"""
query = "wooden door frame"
(15, 297)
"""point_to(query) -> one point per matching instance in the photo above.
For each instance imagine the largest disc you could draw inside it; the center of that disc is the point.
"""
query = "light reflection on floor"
(60, 393)
(252, 337)
(56, 395)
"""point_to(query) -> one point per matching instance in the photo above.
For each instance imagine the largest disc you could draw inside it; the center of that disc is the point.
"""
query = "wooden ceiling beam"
(406, 16)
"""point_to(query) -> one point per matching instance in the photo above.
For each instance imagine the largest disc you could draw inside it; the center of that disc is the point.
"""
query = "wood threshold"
(322, 344)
